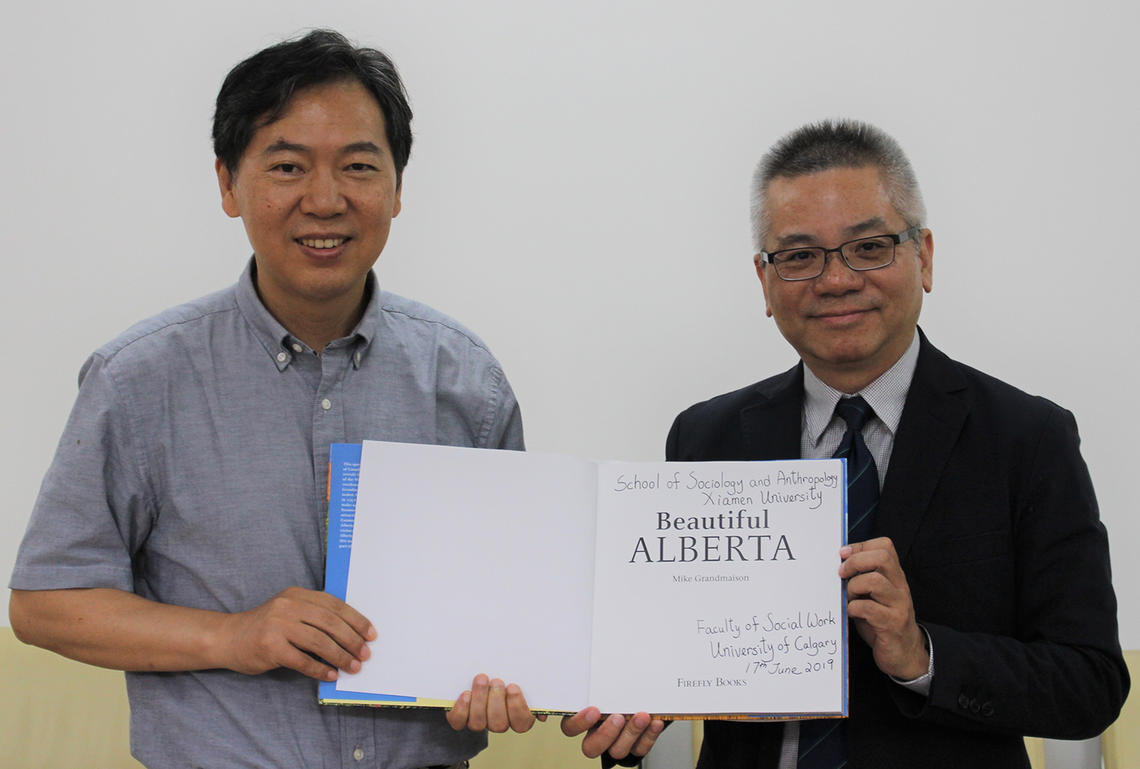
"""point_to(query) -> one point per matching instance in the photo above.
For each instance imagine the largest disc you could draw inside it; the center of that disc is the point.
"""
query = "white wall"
(578, 195)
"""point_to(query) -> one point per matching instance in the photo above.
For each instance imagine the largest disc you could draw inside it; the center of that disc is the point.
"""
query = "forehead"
(828, 203)
(338, 112)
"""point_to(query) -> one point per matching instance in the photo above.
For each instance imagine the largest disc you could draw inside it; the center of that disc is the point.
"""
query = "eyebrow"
(285, 146)
(874, 224)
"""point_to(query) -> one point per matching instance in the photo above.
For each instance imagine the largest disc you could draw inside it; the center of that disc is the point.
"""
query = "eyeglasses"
(807, 262)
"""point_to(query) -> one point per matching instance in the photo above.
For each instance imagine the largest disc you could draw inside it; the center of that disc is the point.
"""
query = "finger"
(867, 546)
(602, 737)
(540, 717)
(871, 584)
(635, 726)
(335, 627)
(881, 561)
(357, 622)
(313, 641)
(497, 720)
(878, 616)
(645, 742)
(518, 712)
(584, 719)
(477, 715)
(295, 659)
(457, 716)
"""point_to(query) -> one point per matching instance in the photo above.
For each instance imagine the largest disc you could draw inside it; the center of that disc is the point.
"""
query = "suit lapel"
(935, 410)
(771, 422)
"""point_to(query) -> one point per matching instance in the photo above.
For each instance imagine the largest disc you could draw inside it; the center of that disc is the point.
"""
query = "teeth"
(322, 242)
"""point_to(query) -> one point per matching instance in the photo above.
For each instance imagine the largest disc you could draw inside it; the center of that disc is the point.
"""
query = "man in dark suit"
(980, 592)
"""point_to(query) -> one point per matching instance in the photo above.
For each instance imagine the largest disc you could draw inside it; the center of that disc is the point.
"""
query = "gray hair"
(836, 144)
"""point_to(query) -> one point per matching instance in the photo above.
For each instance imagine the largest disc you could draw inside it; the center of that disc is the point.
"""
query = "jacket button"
(963, 702)
(975, 708)
(987, 709)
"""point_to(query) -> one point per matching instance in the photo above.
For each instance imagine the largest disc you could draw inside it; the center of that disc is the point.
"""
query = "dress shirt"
(192, 471)
(822, 430)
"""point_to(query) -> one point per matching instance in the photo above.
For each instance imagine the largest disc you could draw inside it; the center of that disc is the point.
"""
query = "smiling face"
(316, 190)
(849, 327)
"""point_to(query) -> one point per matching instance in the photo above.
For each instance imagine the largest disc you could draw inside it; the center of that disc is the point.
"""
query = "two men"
(981, 597)
(179, 532)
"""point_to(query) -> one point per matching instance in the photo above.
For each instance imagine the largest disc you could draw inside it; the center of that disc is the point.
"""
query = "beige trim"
(56, 713)
(1120, 744)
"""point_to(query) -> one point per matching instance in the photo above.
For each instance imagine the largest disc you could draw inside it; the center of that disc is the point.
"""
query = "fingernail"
(354, 666)
(370, 634)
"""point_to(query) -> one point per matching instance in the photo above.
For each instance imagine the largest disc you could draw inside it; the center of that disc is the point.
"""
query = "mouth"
(840, 316)
(323, 244)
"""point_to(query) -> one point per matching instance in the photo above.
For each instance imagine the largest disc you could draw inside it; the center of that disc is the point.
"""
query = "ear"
(926, 259)
(763, 272)
(397, 205)
(226, 183)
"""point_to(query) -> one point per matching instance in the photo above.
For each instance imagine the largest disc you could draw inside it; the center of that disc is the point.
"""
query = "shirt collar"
(886, 395)
(282, 346)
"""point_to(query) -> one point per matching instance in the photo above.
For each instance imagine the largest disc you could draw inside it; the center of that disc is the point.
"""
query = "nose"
(322, 196)
(837, 277)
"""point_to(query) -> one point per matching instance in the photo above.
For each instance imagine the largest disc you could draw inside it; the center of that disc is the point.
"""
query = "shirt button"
(282, 357)
(358, 754)
(326, 404)
(356, 358)
(298, 348)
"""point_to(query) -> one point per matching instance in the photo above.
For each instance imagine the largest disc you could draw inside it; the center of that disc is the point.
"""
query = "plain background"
(578, 195)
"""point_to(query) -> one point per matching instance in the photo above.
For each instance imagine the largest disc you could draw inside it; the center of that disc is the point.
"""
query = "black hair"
(257, 91)
(831, 144)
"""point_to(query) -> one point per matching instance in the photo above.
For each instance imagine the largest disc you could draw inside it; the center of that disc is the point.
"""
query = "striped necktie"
(823, 743)
(862, 475)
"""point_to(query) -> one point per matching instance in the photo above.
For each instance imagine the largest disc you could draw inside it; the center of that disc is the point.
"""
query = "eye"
(287, 168)
(361, 167)
(803, 255)
(870, 251)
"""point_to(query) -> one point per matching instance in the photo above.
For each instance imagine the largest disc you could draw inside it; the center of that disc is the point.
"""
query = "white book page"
(718, 588)
(474, 561)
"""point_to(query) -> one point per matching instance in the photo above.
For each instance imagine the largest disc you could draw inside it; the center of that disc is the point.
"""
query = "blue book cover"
(344, 474)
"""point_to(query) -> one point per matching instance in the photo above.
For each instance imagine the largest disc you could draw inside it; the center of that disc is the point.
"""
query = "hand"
(620, 735)
(292, 628)
(490, 705)
(878, 599)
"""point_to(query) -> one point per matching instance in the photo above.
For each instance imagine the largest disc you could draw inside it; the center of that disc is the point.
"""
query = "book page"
(717, 588)
(473, 561)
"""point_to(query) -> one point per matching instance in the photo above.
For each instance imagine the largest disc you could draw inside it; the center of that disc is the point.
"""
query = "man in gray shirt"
(179, 534)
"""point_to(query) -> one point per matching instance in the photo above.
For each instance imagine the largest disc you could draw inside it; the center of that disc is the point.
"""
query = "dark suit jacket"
(992, 511)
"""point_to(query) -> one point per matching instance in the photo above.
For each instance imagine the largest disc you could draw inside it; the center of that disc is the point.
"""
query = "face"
(849, 327)
(317, 192)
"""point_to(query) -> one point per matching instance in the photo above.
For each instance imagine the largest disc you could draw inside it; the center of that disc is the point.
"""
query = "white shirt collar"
(886, 395)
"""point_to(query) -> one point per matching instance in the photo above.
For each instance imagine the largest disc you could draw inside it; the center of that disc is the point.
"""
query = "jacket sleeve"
(1045, 660)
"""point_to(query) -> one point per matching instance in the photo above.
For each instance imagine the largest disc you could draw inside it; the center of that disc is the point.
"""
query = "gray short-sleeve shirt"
(192, 472)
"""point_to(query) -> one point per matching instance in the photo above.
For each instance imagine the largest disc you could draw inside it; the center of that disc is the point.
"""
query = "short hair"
(836, 144)
(258, 91)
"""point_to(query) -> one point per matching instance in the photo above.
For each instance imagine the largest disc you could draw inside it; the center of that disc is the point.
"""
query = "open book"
(704, 589)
